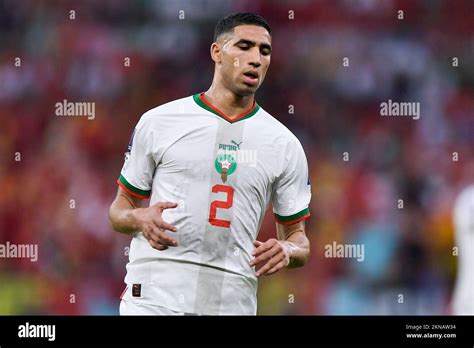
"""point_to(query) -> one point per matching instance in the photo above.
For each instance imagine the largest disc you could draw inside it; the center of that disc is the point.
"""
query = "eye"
(244, 47)
(266, 52)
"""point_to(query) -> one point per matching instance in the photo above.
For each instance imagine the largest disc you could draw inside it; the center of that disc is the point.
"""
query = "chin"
(246, 91)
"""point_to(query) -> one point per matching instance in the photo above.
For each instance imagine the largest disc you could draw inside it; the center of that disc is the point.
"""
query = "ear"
(216, 52)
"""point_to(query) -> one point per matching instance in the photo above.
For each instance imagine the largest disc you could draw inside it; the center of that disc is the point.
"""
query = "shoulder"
(183, 106)
(278, 131)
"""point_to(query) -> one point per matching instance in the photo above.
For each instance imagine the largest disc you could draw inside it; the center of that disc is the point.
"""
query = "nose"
(255, 60)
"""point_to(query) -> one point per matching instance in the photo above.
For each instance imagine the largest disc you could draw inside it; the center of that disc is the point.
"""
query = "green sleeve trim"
(132, 188)
(301, 214)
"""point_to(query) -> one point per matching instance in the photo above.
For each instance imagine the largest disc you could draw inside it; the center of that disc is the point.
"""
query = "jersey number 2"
(221, 204)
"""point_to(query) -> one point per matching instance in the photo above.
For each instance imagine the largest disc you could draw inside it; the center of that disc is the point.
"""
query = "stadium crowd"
(58, 173)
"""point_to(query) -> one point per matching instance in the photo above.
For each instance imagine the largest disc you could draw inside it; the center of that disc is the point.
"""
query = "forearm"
(121, 215)
(298, 245)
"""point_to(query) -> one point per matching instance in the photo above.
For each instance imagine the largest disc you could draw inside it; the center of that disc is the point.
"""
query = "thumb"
(165, 205)
(257, 243)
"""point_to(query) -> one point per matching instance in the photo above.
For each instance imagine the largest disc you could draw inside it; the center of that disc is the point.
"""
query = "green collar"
(202, 102)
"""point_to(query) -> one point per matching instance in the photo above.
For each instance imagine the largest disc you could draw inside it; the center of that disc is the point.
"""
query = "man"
(463, 299)
(212, 163)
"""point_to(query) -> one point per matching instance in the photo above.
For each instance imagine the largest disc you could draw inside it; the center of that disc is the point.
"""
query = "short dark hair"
(228, 23)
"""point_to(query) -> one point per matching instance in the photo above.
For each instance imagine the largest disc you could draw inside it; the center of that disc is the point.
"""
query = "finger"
(157, 246)
(263, 247)
(276, 268)
(150, 234)
(153, 241)
(147, 233)
(164, 225)
(265, 256)
(269, 265)
(256, 244)
(166, 240)
(166, 205)
(163, 238)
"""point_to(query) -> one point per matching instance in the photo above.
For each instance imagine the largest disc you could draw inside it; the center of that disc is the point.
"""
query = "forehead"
(252, 33)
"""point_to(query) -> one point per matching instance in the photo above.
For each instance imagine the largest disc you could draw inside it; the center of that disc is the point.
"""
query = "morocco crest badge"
(225, 165)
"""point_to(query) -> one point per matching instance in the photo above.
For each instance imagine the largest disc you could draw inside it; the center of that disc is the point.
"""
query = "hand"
(270, 256)
(149, 221)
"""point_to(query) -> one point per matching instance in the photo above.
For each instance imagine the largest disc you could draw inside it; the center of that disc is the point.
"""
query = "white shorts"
(131, 308)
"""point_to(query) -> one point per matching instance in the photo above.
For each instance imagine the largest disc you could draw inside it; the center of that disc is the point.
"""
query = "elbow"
(302, 257)
(305, 257)
(307, 252)
(112, 220)
(300, 261)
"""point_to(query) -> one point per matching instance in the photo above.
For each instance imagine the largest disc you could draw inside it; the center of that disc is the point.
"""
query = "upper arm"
(136, 176)
(292, 191)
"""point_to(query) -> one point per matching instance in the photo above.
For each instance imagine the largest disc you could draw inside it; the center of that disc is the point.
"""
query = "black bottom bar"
(452, 331)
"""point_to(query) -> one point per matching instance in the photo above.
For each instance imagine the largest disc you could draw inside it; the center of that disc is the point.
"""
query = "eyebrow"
(253, 43)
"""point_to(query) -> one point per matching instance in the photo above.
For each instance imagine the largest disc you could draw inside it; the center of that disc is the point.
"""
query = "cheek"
(232, 63)
(266, 62)
(231, 55)
(238, 61)
(265, 66)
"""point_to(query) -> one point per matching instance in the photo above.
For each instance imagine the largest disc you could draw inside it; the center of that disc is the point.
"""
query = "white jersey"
(223, 174)
(463, 301)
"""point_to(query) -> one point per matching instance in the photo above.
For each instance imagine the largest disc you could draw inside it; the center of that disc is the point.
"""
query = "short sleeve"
(137, 172)
(292, 190)
(464, 210)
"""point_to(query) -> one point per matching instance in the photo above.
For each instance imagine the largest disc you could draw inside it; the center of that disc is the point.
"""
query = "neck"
(227, 101)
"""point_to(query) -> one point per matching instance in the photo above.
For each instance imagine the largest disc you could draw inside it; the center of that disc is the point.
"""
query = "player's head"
(241, 51)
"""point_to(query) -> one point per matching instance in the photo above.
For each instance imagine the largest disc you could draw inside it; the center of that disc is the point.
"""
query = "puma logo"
(238, 145)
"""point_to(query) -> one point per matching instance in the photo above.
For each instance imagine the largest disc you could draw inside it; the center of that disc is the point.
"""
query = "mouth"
(251, 77)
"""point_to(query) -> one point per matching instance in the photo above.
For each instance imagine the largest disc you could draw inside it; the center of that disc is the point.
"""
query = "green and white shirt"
(223, 174)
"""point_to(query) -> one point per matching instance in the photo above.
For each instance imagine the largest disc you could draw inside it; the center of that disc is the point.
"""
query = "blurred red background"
(82, 261)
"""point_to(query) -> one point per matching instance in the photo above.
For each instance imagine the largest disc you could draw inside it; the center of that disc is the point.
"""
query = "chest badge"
(225, 165)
